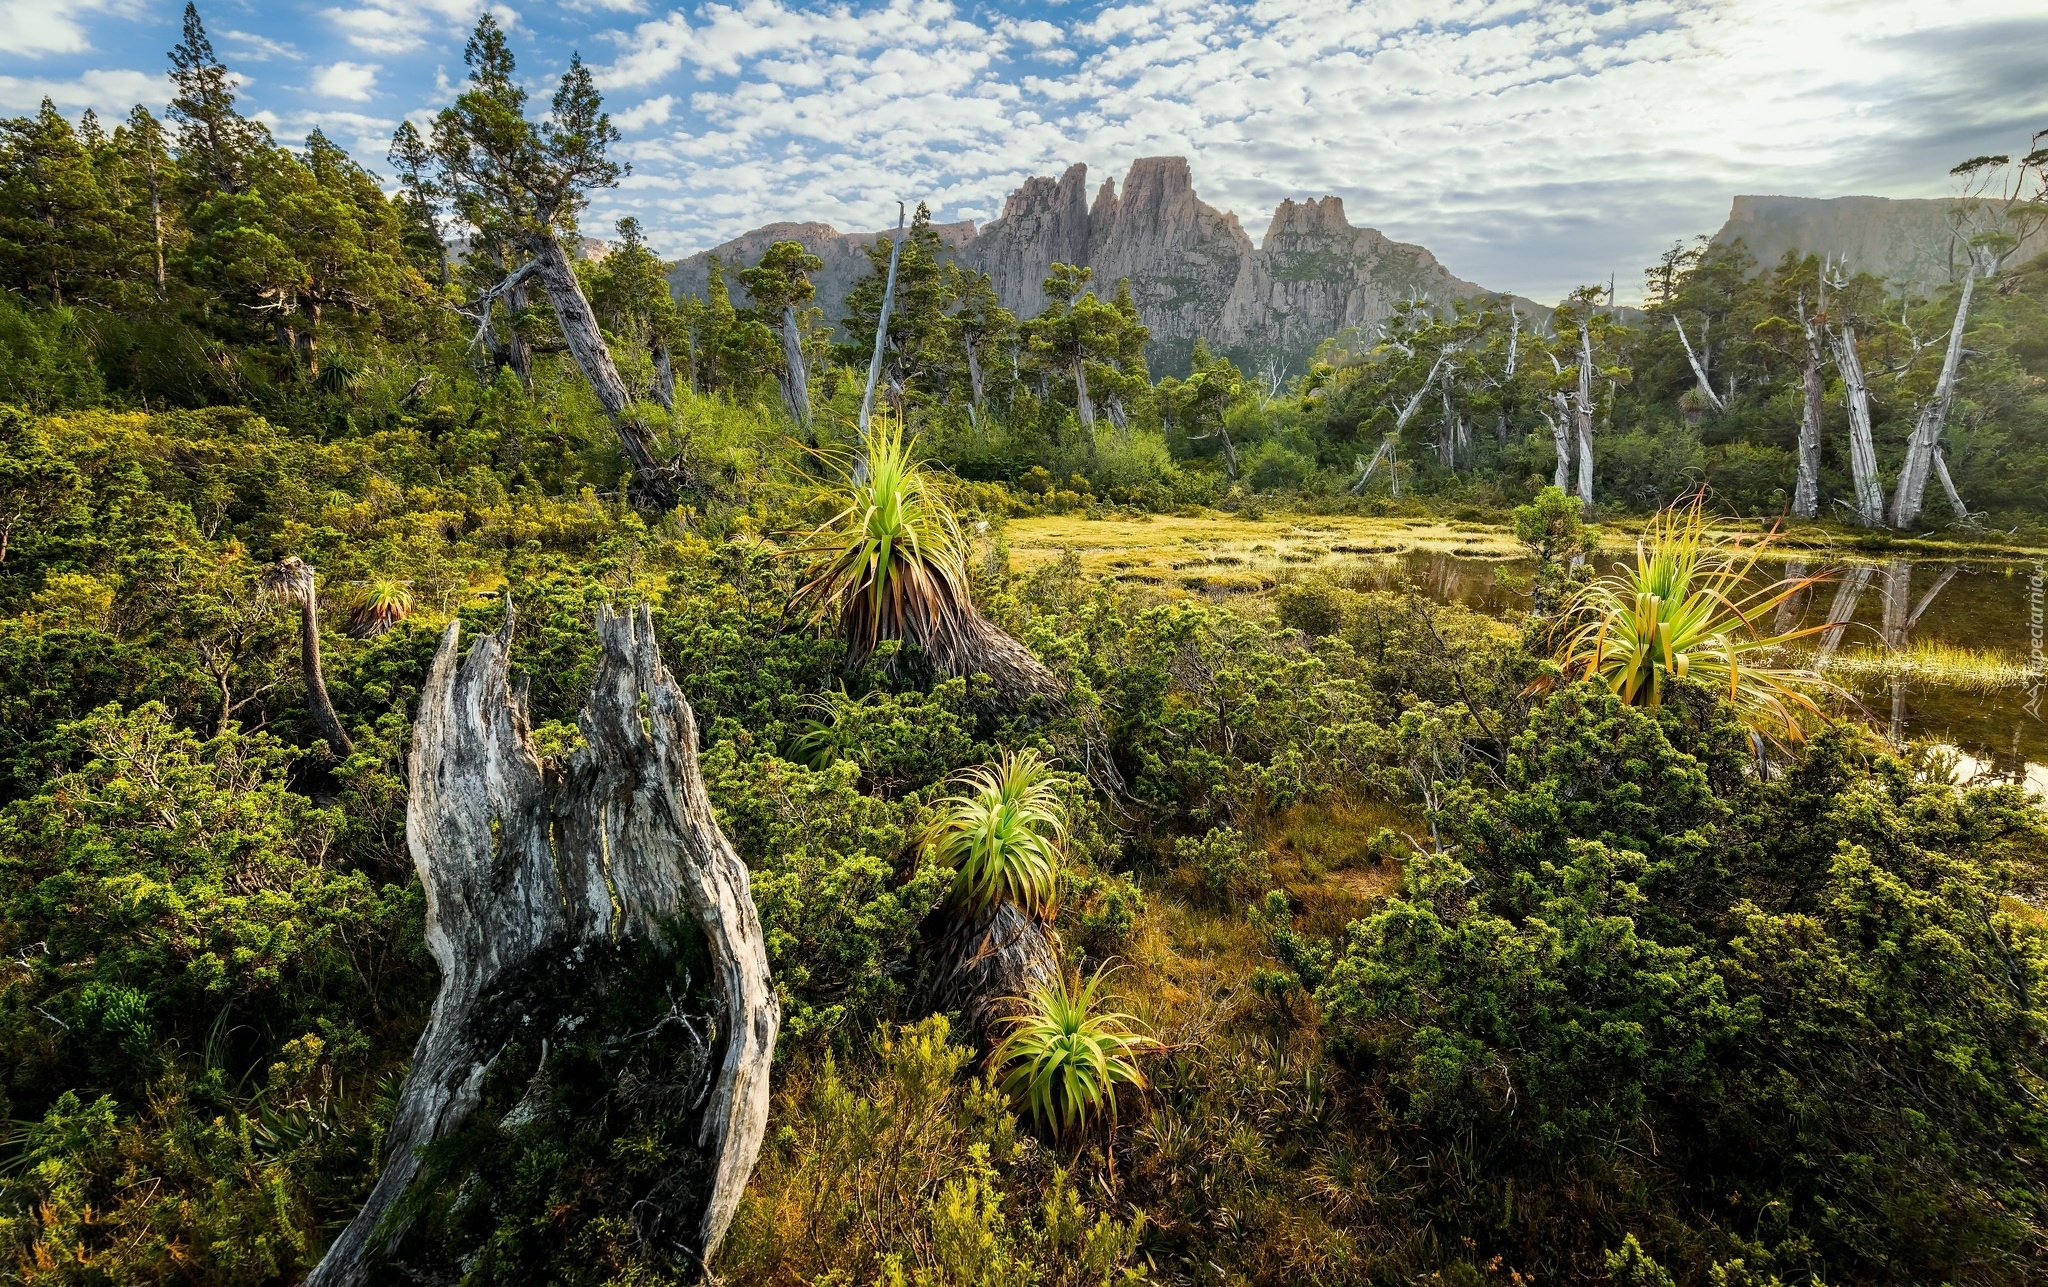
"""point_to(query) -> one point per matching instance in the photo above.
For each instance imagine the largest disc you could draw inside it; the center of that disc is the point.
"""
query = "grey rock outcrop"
(1194, 271)
(1909, 243)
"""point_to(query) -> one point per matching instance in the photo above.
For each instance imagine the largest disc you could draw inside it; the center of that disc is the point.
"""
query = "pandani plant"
(378, 606)
(893, 562)
(1065, 1055)
(1003, 835)
(1690, 607)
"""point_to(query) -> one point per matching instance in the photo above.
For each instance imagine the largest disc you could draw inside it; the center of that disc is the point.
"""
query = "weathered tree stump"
(522, 865)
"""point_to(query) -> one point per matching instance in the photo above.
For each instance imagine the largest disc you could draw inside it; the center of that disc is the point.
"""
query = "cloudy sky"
(1533, 144)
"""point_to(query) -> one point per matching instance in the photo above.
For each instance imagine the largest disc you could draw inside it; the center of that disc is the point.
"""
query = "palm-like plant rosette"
(1063, 1059)
(1688, 609)
(893, 557)
(1003, 835)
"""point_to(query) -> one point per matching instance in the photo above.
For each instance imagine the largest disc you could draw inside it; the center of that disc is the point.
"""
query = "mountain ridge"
(1194, 271)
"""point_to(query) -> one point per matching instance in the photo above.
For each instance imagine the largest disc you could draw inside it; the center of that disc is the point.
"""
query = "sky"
(1534, 145)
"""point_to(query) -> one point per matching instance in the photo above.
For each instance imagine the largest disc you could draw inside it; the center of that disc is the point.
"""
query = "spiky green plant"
(1063, 1057)
(377, 607)
(893, 558)
(1687, 609)
(1003, 835)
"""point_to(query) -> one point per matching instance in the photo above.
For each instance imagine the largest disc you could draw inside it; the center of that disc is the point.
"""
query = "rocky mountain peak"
(1194, 272)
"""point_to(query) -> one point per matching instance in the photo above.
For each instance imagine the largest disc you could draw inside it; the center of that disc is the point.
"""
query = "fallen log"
(524, 866)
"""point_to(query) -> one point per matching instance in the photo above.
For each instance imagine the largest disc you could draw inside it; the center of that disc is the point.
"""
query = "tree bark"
(1792, 608)
(1910, 494)
(523, 866)
(1862, 447)
(587, 346)
(1083, 402)
(1948, 488)
(1560, 437)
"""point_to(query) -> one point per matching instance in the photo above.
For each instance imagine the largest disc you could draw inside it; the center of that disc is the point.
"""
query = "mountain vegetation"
(1327, 935)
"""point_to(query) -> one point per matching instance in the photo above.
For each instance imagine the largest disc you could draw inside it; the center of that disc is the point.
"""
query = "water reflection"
(1887, 631)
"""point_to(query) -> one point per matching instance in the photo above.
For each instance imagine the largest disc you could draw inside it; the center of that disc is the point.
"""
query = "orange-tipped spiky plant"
(378, 606)
(1687, 610)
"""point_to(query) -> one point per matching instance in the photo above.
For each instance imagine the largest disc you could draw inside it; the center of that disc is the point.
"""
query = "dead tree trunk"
(867, 401)
(1582, 416)
(664, 376)
(587, 346)
(1806, 490)
(1699, 368)
(524, 867)
(974, 380)
(1862, 446)
(1792, 608)
(1911, 491)
(796, 387)
(1948, 489)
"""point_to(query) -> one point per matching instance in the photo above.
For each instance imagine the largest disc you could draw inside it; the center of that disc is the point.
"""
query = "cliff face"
(1194, 273)
(1909, 243)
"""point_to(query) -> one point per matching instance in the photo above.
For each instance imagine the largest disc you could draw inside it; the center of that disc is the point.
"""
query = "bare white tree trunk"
(867, 400)
(1507, 380)
(1446, 436)
(1087, 406)
(1699, 370)
(1948, 488)
(587, 346)
(796, 385)
(1806, 490)
(1910, 494)
(1862, 447)
(1582, 415)
(974, 385)
(522, 867)
(1560, 437)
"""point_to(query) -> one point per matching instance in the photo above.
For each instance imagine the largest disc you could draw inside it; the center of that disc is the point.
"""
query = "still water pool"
(1937, 650)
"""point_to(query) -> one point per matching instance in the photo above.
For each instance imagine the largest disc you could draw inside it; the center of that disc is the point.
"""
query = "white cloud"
(250, 47)
(110, 92)
(36, 28)
(400, 26)
(352, 81)
(652, 112)
(1532, 145)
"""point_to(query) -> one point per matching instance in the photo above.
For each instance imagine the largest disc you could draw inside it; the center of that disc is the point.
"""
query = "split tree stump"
(523, 864)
